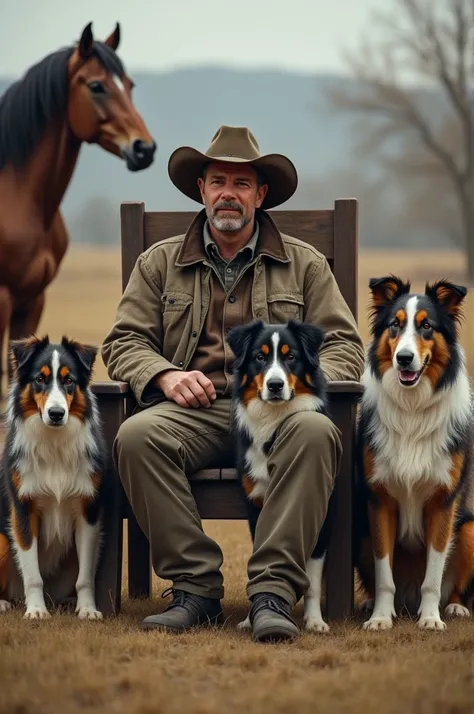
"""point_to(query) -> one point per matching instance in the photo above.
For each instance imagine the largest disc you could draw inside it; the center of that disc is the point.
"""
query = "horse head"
(100, 107)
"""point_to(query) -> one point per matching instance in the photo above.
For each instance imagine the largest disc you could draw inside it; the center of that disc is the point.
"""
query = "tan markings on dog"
(23, 538)
(437, 350)
(308, 377)
(77, 403)
(27, 402)
(265, 349)
(40, 399)
(253, 389)
(439, 518)
(4, 562)
(64, 371)
(384, 352)
(244, 380)
(16, 480)
(297, 386)
(447, 297)
(45, 371)
(420, 317)
(285, 349)
(369, 463)
(383, 517)
(401, 317)
(248, 486)
(463, 562)
(382, 294)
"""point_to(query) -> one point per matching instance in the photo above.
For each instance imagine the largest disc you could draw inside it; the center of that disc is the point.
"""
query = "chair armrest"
(345, 387)
(119, 388)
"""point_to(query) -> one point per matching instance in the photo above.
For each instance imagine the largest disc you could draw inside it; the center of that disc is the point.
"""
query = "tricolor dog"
(51, 479)
(276, 374)
(414, 505)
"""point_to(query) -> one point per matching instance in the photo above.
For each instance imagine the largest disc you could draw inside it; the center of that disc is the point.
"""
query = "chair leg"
(139, 566)
(340, 569)
(109, 571)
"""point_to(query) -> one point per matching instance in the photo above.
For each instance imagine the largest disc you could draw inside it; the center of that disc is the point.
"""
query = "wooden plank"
(132, 236)
(314, 227)
(221, 500)
(345, 250)
(111, 388)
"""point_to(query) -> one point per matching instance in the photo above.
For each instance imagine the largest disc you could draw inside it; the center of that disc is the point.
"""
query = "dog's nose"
(56, 413)
(275, 385)
(405, 358)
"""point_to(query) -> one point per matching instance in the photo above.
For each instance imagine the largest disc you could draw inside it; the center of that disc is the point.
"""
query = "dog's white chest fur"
(55, 471)
(411, 433)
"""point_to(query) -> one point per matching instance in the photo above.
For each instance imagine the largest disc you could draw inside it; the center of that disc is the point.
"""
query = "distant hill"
(287, 112)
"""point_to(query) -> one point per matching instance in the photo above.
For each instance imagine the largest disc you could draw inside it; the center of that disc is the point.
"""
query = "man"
(168, 343)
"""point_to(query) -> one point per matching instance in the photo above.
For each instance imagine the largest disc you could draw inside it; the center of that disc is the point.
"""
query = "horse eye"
(96, 87)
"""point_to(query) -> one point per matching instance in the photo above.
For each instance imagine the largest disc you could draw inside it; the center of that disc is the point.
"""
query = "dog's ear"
(310, 337)
(85, 355)
(386, 289)
(241, 338)
(21, 352)
(448, 295)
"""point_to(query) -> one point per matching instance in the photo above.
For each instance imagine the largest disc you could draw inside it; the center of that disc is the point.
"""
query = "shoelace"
(270, 603)
(183, 599)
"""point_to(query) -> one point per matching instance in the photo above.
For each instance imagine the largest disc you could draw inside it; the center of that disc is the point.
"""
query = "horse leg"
(5, 315)
(25, 320)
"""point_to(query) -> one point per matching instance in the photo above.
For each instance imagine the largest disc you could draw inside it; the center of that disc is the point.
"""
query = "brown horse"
(77, 94)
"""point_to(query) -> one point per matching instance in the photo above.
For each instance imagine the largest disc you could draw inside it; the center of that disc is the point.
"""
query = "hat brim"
(186, 165)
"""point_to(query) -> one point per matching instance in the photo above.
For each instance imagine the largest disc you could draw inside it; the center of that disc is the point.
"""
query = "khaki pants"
(156, 448)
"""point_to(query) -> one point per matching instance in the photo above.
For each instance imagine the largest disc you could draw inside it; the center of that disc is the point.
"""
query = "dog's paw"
(89, 613)
(245, 624)
(4, 606)
(378, 623)
(456, 610)
(36, 613)
(431, 623)
(313, 624)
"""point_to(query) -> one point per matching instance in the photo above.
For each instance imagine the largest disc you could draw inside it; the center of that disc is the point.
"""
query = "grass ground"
(63, 665)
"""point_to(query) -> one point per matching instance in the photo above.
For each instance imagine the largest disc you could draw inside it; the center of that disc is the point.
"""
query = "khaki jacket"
(163, 308)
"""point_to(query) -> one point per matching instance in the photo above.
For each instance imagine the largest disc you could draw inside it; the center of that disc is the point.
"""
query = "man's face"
(231, 194)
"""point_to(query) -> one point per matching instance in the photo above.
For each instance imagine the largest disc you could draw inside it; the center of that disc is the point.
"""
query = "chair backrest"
(333, 232)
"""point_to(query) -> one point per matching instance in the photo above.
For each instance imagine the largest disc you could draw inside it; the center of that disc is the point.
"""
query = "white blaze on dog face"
(56, 406)
(408, 344)
(275, 379)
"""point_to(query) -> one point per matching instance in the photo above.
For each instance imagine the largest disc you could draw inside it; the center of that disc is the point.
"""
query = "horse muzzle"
(138, 155)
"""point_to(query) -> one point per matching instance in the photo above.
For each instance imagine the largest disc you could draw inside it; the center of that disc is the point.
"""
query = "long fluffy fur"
(414, 496)
(52, 479)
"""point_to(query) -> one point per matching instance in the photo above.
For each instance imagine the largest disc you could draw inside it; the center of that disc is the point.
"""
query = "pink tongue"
(408, 376)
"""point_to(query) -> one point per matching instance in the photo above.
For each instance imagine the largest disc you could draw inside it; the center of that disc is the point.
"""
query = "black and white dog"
(276, 374)
(51, 478)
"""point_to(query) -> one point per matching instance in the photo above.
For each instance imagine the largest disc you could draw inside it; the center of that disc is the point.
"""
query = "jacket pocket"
(176, 314)
(283, 306)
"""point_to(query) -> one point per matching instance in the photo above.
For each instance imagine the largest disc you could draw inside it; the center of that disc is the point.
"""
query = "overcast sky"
(302, 35)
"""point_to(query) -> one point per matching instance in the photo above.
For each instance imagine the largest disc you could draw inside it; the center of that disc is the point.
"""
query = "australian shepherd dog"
(276, 374)
(414, 502)
(51, 479)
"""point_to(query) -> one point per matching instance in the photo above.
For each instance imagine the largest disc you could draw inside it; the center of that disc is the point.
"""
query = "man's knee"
(137, 433)
(312, 431)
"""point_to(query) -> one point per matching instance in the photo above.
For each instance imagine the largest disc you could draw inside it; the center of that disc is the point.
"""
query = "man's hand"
(188, 389)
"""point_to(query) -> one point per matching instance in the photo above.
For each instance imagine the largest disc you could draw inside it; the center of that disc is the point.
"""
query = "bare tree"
(428, 44)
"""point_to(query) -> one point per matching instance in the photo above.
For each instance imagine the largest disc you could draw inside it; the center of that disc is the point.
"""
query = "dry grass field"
(66, 666)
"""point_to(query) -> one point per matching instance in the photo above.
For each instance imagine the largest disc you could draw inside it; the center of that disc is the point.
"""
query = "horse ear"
(86, 42)
(113, 40)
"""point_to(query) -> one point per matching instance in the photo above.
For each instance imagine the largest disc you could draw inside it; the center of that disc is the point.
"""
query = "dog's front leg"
(24, 529)
(439, 517)
(87, 537)
(383, 517)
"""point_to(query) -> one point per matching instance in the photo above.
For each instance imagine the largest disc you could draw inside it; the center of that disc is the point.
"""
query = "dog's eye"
(39, 379)
(426, 326)
(396, 323)
(260, 357)
(290, 357)
(68, 381)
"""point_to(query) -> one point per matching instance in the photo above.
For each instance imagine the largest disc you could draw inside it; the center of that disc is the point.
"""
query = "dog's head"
(275, 363)
(51, 379)
(415, 334)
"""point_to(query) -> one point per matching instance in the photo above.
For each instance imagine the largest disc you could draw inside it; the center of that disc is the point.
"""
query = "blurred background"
(370, 99)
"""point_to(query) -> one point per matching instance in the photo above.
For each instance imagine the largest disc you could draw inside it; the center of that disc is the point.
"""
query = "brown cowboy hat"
(234, 144)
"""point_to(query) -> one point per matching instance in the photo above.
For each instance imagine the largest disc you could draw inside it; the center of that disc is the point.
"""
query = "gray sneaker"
(271, 619)
(184, 612)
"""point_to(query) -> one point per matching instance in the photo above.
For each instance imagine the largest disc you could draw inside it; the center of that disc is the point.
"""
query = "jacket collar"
(269, 243)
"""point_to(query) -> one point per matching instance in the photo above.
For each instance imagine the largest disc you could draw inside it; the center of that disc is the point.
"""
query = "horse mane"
(29, 104)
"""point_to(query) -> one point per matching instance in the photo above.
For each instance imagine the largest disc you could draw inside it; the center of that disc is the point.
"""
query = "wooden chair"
(334, 233)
